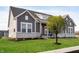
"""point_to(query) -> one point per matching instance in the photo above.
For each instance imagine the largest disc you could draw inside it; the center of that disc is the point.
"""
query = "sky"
(73, 12)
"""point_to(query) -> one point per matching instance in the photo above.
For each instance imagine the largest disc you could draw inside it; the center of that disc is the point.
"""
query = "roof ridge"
(39, 12)
(30, 10)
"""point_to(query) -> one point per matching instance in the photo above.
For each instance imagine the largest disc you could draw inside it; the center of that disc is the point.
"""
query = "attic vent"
(26, 17)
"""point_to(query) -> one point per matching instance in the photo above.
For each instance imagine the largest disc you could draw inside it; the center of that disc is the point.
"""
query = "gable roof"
(17, 11)
(67, 16)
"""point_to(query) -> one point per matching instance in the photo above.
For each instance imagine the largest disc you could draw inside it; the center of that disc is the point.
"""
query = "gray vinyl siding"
(16, 11)
(74, 29)
(1, 33)
(22, 19)
(37, 27)
(67, 24)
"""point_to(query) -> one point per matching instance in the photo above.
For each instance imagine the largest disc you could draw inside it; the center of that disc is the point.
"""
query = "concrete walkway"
(63, 50)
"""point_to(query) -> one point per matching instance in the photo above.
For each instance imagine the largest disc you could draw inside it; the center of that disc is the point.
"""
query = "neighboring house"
(25, 23)
(3, 33)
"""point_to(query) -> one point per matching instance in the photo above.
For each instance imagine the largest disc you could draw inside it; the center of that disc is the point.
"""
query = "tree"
(55, 25)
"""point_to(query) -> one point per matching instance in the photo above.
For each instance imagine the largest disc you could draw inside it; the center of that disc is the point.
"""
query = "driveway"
(64, 50)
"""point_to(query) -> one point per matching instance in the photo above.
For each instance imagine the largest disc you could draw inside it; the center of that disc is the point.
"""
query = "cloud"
(74, 15)
(54, 11)
(4, 19)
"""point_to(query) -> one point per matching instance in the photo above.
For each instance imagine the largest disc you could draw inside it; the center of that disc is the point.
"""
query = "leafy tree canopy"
(55, 24)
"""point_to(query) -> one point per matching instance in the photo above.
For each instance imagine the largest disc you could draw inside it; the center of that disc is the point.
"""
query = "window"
(70, 23)
(26, 27)
(23, 27)
(26, 17)
(29, 27)
(14, 30)
(70, 30)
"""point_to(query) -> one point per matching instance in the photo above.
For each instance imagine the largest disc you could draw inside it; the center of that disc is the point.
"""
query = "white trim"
(29, 13)
(40, 28)
(31, 27)
(26, 26)
(69, 29)
(32, 15)
(20, 14)
(21, 25)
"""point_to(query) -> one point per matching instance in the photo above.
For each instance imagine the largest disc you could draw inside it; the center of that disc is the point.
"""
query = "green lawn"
(35, 45)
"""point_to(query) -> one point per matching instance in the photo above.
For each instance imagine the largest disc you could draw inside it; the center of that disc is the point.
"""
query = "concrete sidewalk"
(63, 50)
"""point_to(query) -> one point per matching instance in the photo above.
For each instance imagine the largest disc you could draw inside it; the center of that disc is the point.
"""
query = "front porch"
(41, 31)
(44, 31)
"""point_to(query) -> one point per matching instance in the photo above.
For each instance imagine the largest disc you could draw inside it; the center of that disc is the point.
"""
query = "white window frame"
(70, 29)
(21, 27)
(26, 27)
(26, 17)
(31, 27)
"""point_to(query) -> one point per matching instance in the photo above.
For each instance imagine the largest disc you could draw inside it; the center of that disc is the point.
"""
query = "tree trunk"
(56, 39)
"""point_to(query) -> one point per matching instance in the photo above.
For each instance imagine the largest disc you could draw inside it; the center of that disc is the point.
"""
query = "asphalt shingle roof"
(16, 11)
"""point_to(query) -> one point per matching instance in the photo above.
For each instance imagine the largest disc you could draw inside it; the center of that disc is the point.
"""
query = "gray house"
(25, 23)
(3, 33)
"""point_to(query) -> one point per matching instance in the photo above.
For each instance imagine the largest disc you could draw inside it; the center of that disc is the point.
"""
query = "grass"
(29, 46)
